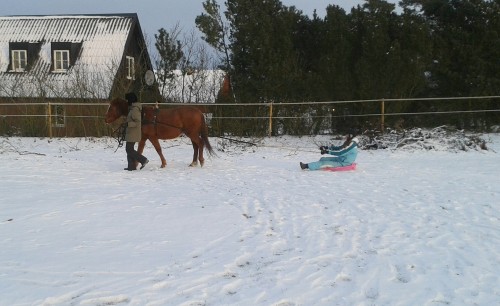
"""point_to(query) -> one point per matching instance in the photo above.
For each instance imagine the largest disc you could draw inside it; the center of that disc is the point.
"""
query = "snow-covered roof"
(200, 86)
(101, 40)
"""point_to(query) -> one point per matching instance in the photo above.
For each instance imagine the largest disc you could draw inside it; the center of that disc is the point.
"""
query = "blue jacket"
(345, 155)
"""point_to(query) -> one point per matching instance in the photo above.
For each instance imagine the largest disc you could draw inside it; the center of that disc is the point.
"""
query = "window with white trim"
(58, 114)
(61, 60)
(130, 68)
(19, 60)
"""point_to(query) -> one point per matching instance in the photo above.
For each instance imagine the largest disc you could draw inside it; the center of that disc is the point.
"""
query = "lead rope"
(120, 135)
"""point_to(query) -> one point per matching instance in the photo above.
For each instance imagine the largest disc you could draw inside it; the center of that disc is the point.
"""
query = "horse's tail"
(204, 137)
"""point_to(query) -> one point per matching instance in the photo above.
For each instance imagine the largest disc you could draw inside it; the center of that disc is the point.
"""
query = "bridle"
(119, 135)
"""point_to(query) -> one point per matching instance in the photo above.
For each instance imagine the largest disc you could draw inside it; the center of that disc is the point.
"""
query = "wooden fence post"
(270, 131)
(382, 116)
(49, 119)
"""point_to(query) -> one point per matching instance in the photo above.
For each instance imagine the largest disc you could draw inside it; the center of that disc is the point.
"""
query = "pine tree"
(170, 53)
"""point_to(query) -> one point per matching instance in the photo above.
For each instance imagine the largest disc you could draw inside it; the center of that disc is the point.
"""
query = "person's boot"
(143, 164)
(131, 164)
(303, 166)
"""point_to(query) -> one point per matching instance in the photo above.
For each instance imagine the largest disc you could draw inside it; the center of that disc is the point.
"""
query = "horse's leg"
(142, 143)
(197, 143)
(198, 150)
(156, 144)
(200, 155)
(194, 163)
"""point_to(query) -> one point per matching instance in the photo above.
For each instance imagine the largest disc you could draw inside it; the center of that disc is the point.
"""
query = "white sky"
(153, 14)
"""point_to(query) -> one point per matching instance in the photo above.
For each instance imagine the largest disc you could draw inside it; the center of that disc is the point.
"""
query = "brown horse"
(167, 124)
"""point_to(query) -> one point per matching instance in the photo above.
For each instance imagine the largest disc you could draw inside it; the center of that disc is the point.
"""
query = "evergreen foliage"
(170, 55)
(424, 49)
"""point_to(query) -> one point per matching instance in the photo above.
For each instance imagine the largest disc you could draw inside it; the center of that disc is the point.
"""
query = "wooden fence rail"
(57, 116)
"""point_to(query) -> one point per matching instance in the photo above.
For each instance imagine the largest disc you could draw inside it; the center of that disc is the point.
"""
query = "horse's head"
(117, 108)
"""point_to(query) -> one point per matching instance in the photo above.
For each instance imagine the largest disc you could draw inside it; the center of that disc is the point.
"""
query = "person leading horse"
(133, 132)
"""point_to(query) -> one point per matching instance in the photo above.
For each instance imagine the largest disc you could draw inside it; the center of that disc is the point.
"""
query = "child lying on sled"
(343, 155)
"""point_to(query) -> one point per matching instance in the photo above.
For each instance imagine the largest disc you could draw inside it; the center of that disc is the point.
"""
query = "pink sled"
(344, 168)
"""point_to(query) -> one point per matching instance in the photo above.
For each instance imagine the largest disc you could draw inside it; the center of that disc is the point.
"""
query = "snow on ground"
(250, 228)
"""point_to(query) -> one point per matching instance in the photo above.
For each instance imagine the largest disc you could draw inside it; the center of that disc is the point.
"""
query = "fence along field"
(265, 119)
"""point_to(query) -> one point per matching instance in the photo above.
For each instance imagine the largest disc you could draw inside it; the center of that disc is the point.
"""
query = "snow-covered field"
(250, 228)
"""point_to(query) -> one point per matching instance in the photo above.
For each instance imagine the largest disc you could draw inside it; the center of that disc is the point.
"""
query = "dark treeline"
(425, 48)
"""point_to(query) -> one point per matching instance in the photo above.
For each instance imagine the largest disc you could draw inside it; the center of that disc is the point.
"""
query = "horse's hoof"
(193, 164)
(163, 165)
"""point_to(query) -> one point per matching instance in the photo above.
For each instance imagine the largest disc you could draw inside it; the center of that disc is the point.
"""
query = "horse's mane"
(121, 104)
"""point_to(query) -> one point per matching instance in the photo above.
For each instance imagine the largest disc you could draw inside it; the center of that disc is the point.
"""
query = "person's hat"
(131, 97)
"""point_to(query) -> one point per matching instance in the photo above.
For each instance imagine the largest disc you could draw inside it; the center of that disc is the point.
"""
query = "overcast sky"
(153, 14)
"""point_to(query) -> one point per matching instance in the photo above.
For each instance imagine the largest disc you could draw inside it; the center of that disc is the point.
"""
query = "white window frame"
(58, 114)
(61, 60)
(19, 60)
(130, 66)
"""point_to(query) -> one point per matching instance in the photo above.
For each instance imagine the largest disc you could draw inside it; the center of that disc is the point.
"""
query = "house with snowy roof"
(193, 86)
(70, 62)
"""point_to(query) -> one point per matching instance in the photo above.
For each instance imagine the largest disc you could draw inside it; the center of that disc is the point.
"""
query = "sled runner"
(344, 168)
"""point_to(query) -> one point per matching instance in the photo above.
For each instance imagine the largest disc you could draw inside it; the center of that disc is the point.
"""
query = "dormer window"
(64, 55)
(19, 60)
(130, 68)
(61, 60)
(22, 55)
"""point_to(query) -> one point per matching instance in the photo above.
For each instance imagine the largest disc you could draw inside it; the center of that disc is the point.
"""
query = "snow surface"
(250, 228)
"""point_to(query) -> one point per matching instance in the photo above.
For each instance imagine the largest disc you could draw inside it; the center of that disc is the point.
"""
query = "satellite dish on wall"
(149, 77)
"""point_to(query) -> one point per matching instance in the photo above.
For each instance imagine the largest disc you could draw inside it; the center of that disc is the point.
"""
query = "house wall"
(30, 117)
(136, 48)
(101, 44)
